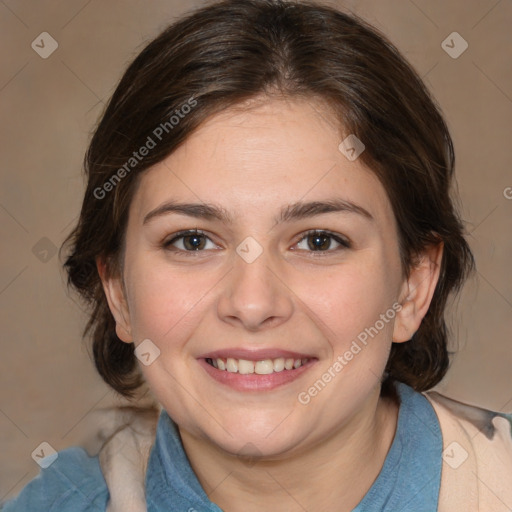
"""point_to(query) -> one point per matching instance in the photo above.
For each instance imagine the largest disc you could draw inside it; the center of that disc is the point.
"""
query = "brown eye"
(190, 241)
(193, 242)
(322, 241)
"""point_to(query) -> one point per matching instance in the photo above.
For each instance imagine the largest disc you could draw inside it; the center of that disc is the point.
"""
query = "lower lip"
(254, 381)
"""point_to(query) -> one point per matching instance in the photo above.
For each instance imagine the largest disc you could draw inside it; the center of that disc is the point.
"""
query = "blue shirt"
(409, 479)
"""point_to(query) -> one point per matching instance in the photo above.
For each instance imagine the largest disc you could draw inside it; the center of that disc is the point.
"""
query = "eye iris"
(197, 244)
(317, 244)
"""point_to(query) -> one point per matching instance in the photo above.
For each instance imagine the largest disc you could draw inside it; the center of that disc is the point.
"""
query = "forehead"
(257, 158)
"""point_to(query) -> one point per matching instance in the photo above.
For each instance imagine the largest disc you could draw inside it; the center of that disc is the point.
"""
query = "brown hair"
(232, 51)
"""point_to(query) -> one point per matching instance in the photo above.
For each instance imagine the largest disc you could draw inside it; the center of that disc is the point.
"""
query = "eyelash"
(345, 244)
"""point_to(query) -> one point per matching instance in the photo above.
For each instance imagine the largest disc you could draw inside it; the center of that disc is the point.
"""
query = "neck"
(333, 474)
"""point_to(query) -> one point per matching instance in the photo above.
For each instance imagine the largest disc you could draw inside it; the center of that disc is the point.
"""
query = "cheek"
(350, 298)
(164, 301)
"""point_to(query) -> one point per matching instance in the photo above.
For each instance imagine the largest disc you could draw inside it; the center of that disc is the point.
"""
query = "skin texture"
(252, 161)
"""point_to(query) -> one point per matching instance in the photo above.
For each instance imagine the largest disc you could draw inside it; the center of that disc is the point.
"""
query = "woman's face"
(258, 283)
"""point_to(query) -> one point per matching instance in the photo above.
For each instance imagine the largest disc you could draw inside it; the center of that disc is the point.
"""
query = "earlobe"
(417, 293)
(113, 289)
(403, 321)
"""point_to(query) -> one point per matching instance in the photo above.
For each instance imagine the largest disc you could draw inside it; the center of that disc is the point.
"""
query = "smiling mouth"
(263, 367)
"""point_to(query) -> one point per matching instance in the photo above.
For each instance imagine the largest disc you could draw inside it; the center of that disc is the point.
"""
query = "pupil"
(320, 245)
(196, 244)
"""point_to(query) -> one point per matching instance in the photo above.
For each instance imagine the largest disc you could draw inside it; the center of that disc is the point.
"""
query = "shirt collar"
(170, 480)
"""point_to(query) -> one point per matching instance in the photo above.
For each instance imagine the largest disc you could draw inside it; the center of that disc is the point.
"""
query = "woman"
(267, 240)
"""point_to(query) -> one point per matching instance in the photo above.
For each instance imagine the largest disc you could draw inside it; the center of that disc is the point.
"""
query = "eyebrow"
(290, 212)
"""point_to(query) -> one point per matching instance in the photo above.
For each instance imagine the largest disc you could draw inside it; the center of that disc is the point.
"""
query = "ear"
(417, 293)
(113, 288)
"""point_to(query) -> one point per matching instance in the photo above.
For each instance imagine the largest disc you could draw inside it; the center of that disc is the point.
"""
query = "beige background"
(48, 107)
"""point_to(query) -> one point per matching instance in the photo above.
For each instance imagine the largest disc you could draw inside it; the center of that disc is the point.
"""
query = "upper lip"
(254, 354)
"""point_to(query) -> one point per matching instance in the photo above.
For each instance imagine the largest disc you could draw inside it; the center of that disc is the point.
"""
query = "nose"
(255, 297)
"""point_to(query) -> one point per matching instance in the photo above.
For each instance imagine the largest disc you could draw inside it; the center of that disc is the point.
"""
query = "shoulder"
(477, 455)
(484, 426)
(72, 482)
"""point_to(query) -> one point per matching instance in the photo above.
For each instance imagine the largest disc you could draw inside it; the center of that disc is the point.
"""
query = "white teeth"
(231, 365)
(279, 364)
(245, 366)
(263, 367)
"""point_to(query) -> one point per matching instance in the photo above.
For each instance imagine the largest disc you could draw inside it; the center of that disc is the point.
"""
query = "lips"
(255, 369)
(256, 382)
